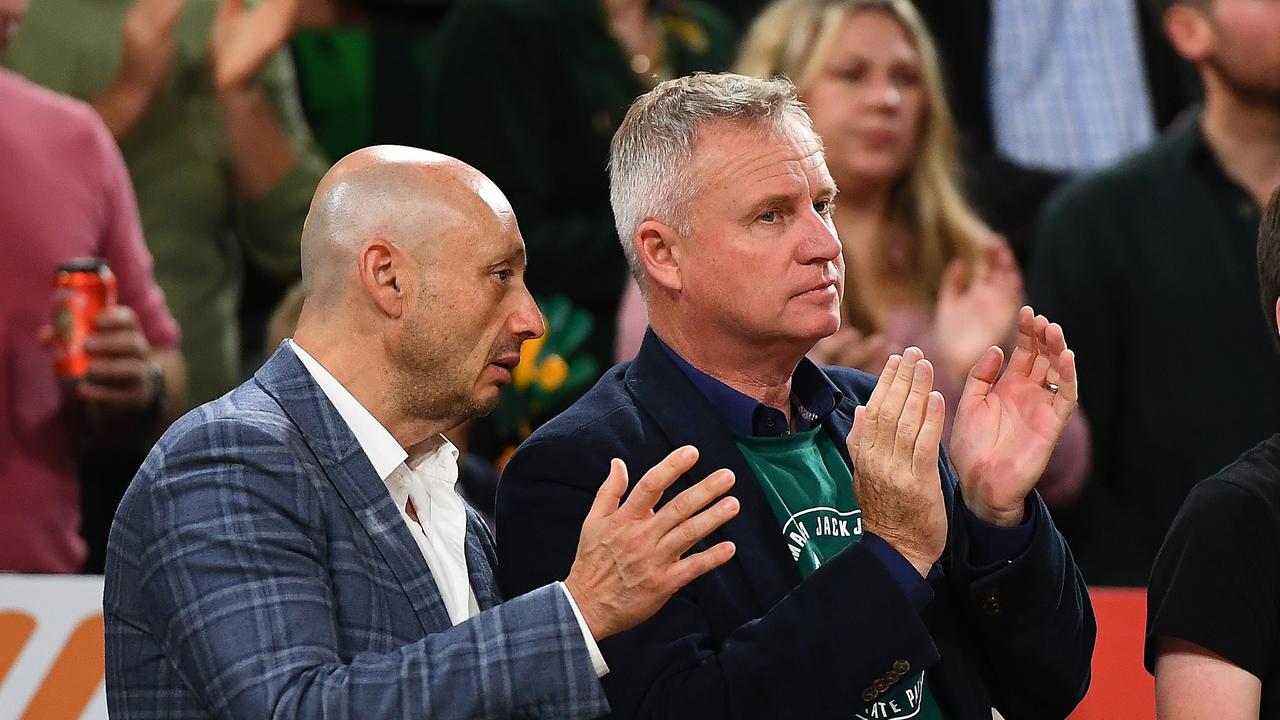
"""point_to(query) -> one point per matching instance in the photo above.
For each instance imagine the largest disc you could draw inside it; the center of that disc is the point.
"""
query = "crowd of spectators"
(1106, 160)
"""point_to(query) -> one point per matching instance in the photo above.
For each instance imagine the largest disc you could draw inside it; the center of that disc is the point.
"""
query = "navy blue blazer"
(258, 568)
(750, 639)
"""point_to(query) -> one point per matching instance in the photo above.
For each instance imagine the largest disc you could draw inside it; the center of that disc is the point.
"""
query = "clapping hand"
(243, 39)
(1006, 426)
(976, 310)
(894, 448)
(146, 40)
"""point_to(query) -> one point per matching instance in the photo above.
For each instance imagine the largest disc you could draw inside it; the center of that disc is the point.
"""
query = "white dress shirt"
(430, 481)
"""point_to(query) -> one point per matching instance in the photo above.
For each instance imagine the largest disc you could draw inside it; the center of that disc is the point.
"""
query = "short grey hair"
(649, 157)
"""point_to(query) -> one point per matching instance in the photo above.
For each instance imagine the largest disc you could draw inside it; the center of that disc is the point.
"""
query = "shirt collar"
(385, 454)
(813, 397)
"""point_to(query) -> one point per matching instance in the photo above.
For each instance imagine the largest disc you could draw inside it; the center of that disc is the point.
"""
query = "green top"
(531, 92)
(810, 490)
(196, 222)
(335, 75)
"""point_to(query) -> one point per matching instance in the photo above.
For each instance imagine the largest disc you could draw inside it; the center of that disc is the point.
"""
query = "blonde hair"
(793, 38)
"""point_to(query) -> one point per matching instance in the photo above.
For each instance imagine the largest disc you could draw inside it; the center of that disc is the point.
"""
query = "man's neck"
(1245, 137)
(761, 373)
(369, 382)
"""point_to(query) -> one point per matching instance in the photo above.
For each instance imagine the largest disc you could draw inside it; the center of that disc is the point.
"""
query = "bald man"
(297, 549)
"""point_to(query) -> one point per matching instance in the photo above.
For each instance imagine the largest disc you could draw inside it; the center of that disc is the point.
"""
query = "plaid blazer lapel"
(349, 471)
(481, 561)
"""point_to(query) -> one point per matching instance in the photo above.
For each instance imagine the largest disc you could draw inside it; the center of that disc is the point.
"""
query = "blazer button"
(868, 695)
(880, 686)
(901, 666)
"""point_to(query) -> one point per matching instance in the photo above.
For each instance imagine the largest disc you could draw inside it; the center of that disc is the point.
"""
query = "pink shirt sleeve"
(123, 248)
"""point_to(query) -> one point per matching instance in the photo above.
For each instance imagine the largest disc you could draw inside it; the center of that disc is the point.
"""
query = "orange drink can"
(82, 289)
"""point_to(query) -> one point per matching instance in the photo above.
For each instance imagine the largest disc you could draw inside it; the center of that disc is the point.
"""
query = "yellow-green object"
(553, 371)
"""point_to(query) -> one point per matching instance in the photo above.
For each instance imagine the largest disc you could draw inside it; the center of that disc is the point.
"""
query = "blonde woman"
(922, 268)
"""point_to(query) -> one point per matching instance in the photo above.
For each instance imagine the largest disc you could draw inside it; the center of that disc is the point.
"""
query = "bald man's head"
(413, 277)
(409, 197)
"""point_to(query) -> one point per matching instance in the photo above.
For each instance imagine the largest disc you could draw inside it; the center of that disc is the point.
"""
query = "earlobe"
(659, 248)
(380, 265)
(1188, 31)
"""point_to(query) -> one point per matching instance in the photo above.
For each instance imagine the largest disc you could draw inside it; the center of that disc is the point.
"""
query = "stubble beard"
(428, 386)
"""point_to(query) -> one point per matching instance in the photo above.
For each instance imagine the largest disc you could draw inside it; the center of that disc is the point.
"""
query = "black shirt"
(1216, 581)
(1151, 268)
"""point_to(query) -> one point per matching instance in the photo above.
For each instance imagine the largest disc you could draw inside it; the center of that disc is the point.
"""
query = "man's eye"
(770, 216)
(504, 275)
(822, 206)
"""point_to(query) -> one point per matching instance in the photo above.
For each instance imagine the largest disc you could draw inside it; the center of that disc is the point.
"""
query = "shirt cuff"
(904, 573)
(597, 660)
(990, 544)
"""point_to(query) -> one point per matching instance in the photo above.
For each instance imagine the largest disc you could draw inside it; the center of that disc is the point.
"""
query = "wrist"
(587, 609)
(123, 103)
(158, 405)
(998, 516)
(237, 94)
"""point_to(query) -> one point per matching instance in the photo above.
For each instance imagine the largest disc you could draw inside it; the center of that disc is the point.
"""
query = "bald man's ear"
(659, 248)
(382, 274)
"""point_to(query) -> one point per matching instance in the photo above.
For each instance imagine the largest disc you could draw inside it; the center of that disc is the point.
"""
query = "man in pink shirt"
(65, 193)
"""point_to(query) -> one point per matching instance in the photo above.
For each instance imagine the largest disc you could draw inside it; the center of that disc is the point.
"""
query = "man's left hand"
(244, 39)
(122, 377)
(1006, 426)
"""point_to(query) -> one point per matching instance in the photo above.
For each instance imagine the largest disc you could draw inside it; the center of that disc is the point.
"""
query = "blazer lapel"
(481, 560)
(685, 418)
(348, 469)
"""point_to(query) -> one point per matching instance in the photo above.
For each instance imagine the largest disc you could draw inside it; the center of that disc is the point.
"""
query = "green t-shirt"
(810, 489)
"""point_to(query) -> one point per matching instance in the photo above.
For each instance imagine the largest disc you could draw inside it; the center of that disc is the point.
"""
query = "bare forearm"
(261, 152)
(121, 105)
(175, 383)
(1193, 683)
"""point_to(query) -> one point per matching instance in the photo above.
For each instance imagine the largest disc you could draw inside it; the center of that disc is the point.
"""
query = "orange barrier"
(1121, 688)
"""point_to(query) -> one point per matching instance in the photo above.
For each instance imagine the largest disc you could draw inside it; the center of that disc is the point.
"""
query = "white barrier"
(51, 657)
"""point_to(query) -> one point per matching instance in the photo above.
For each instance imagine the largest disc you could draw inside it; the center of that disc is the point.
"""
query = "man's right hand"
(894, 448)
(629, 560)
(146, 55)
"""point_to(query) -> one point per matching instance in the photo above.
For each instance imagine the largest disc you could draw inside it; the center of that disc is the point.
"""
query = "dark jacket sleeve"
(811, 655)
(1032, 619)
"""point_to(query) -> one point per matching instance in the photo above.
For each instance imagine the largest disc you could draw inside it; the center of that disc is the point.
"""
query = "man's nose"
(820, 243)
(527, 320)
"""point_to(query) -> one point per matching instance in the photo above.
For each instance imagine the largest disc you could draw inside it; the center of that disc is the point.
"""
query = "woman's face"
(867, 100)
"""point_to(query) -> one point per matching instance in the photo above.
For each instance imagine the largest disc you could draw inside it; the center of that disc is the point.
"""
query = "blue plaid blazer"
(257, 567)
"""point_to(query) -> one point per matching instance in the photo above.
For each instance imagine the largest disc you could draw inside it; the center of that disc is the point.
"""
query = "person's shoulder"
(606, 411)
(1254, 477)
(242, 423)
(59, 121)
(1112, 190)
